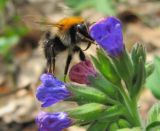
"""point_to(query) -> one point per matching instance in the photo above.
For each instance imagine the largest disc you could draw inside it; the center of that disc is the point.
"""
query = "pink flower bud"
(80, 72)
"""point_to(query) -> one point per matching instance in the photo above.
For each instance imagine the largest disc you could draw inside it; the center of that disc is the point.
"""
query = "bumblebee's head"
(83, 33)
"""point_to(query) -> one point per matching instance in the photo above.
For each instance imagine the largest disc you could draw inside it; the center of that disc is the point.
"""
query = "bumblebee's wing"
(40, 23)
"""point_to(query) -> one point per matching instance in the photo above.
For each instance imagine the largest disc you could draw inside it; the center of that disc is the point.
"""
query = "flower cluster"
(50, 92)
(104, 98)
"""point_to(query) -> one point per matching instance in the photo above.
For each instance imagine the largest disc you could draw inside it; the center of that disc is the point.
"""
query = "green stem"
(136, 113)
(131, 107)
(112, 101)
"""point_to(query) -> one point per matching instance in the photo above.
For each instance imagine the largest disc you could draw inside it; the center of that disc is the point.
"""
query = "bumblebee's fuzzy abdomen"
(59, 45)
(53, 46)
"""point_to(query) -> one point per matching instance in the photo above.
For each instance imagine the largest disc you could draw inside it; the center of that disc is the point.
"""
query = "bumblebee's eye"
(81, 27)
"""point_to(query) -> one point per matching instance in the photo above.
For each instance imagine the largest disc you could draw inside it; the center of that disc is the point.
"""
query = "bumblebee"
(70, 33)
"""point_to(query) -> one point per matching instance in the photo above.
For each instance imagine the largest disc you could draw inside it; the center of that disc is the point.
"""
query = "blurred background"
(21, 55)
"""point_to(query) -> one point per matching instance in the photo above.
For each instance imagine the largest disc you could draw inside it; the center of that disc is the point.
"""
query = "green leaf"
(154, 126)
(124, 66)
(112, 113)
(84, 94)
(138, 56)
(153, 81)
(130, 129)
(87, 112)
(98, 126)
(138, 50)
(139, 78)
(123, 123)
(153, 119)
(103, 84)
(105, 66)
(154, 113)
(96, 63)
(113, 127)
(149, 68)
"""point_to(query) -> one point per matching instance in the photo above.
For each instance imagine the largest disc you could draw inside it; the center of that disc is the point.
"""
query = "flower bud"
(86, 94)
(138, 50)
(84, 73)
(87, 112)
(80, 72)
(138, 56)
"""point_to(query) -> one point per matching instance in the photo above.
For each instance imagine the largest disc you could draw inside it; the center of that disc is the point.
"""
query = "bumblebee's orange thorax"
(66, 23)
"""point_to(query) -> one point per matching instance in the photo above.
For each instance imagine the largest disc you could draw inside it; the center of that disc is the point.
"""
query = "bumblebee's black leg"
(48, 57)
(89, 44)
(81, 53)
(52, 58)
(49, 65)
(69, 58)
(53, 64)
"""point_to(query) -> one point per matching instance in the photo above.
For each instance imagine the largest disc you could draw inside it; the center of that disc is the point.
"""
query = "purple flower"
(108, 34)
(80, 72)
(50, 80)
(53, 121)
(51, 90)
